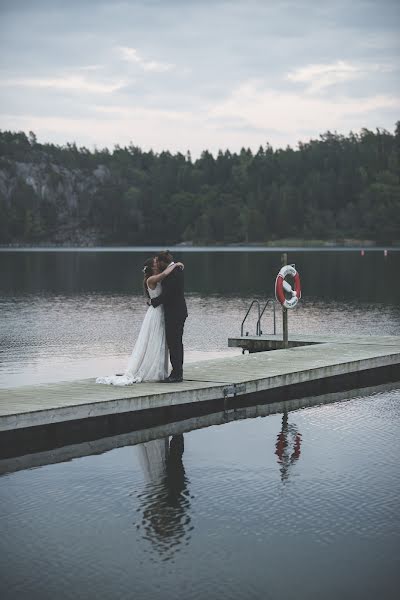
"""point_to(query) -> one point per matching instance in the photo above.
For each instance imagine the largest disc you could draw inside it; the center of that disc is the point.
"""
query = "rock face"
(49, 181)
(56, 199)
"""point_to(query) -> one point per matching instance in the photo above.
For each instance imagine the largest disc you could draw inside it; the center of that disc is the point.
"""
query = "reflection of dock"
(339, 363)
(67, 450)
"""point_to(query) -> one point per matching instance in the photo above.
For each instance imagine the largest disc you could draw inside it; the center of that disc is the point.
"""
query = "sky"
(195, 75)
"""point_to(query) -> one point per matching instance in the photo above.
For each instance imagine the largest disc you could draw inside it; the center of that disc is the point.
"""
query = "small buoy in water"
(362, 252)
(385, 253)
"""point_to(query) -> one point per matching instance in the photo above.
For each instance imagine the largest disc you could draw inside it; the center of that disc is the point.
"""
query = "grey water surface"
(75, 314)
(302, 504)
(299, 504)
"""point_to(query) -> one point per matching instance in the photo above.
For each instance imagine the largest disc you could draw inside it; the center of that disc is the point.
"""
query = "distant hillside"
(332, 188)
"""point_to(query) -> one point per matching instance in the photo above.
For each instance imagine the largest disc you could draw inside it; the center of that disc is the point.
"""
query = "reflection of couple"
(162, 327)
(165, 502)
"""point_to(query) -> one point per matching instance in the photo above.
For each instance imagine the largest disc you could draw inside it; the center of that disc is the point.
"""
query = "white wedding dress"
(149, 358)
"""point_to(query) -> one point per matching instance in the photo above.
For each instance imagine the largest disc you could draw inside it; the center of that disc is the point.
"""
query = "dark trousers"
(174, 333)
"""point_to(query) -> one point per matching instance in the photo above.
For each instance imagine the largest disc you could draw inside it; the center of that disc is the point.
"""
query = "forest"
(333, 188)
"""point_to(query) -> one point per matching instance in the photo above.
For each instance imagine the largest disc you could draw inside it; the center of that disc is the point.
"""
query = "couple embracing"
(162, 327)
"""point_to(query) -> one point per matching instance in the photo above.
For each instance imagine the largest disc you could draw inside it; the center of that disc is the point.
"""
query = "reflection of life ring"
(282, 286)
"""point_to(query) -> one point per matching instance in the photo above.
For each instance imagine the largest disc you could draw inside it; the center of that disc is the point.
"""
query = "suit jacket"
(172, 296)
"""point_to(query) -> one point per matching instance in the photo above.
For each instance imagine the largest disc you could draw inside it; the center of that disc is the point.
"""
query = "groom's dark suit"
(175, 311)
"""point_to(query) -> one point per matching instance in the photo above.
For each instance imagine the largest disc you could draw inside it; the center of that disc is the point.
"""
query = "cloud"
(125, 112)
(250, 116)
(132, 55)
(70, 82)
(321, 76)
(269, 71)
(143, 127)
(90, 68)
(257, 105)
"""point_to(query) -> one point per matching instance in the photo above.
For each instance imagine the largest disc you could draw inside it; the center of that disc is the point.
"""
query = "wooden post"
(284, 310)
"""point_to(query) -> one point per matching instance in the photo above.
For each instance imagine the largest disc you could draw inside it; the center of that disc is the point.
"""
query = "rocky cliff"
(48, 202)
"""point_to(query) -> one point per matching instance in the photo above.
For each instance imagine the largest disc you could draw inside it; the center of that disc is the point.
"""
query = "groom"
(175, 311)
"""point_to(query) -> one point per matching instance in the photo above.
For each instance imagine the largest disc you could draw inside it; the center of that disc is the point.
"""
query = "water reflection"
(72, 315)
(287, 447)
(346, 275)
(165, 502)
(32, 450)
(68, 527)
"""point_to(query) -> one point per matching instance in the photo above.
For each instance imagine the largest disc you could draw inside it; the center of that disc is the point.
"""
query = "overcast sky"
(192, 75)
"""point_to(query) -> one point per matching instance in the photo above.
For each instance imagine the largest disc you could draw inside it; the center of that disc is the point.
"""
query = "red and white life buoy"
(282, 286)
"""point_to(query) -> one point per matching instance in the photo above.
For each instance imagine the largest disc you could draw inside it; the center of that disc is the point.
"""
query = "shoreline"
(278, 246)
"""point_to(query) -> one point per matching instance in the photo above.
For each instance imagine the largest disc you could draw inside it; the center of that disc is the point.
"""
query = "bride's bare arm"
(154, 279)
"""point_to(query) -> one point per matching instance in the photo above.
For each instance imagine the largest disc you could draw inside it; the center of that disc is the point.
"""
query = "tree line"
(330, 188)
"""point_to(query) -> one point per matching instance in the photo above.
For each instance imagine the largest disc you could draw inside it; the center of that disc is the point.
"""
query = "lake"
(72, 314)
(298, 501)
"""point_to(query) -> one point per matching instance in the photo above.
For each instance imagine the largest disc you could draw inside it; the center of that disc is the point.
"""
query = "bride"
(149, 358)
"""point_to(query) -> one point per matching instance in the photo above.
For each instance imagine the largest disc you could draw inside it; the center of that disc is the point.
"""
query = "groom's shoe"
(172, 379)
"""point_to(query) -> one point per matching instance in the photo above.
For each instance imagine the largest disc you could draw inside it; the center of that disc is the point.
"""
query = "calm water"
(67, 315)
(297, 504)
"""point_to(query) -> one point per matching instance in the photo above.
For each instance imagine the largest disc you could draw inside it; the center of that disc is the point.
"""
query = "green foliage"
(328, 188)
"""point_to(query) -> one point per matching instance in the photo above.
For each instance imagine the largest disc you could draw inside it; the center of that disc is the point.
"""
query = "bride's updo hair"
(148, 272)
(165, 258)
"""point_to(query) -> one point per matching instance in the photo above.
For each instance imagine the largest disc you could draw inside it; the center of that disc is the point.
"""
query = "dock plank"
(275, 341)
(207, 380)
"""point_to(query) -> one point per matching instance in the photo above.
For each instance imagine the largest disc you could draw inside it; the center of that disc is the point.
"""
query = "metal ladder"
(260, 315)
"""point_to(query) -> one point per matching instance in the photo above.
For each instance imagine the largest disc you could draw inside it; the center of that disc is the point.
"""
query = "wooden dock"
(322, 360)
(31, 457)
(262, 343)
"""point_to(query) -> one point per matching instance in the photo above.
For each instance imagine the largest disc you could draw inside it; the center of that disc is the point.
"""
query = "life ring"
(282, 286)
